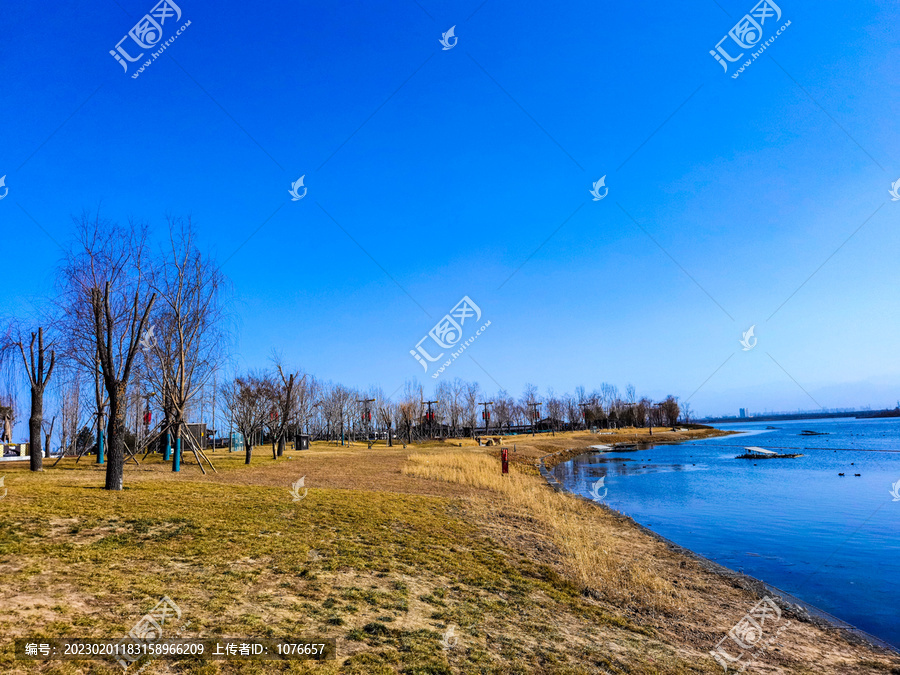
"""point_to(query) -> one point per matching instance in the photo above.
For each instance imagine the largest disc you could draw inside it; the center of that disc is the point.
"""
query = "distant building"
(743, 412)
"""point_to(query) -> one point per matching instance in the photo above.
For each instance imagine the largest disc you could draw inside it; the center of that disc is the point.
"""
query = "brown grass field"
(389, 550)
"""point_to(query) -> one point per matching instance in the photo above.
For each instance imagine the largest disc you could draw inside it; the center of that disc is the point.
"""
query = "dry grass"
(591, 556)
(407, 542)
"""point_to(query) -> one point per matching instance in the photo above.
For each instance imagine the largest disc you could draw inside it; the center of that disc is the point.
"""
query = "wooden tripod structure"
(84, 450)
(195, 448)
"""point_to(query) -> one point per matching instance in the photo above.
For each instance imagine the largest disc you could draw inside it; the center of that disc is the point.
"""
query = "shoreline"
(392, 550)
(791, 604)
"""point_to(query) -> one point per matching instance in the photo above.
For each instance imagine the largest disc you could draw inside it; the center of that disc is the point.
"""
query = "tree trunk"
(390, 437)
(34, 428)
(115, 439)
(249, 450)
(281, 445)
(274, 450)
(47, 438)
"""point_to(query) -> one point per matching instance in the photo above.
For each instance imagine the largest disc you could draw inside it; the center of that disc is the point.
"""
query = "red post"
(504, 459)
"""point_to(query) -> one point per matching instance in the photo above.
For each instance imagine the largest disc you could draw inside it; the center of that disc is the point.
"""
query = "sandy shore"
(794, 606)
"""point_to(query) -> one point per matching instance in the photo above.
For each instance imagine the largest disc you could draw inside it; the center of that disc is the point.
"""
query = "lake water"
(830, 540)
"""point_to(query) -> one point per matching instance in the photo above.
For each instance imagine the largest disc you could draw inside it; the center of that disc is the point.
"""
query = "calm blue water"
(830, 540)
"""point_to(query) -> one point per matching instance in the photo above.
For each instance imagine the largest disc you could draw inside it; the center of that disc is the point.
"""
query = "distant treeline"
(775, 417)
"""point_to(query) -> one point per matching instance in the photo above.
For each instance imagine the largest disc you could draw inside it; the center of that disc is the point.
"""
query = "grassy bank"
(417, 560)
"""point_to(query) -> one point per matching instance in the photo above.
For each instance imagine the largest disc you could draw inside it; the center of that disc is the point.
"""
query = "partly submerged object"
(754, 452)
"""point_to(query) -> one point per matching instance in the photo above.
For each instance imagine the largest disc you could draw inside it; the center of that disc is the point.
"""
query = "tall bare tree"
(107, 301)
(187, 345)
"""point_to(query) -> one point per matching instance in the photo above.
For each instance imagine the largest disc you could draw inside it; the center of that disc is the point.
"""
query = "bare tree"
(70, 409)
(187, 345)
(107, 301)
(470, 413)
(669, 410)
(555, 410)
(38, 369)
(504, 406)
(246, 400)
(410, 411)
(285, 396)
(443, 409)
(572, 411)
(48, 434)
(307, 396)
(386, 413)
(457, 404)
(335, 407)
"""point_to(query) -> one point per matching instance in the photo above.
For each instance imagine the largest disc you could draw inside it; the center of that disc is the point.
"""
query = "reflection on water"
(795, 523)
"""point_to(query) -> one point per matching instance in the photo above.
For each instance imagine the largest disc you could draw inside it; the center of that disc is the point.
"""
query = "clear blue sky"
(452, 168)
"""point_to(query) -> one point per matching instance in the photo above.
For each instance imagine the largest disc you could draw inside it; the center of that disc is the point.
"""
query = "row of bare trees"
(278, 404)
(127, 319)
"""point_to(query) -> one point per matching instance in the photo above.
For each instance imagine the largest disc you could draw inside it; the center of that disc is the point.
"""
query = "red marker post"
(504, 459)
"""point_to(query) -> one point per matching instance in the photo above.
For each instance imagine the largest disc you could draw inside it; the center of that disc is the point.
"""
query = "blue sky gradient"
(466, 172)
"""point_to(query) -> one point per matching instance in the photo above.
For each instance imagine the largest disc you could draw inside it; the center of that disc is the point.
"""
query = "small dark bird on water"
(840, 474)
(857, 474)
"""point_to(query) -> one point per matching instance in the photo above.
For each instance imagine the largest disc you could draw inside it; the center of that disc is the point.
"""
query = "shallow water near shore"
(830, 540)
